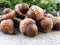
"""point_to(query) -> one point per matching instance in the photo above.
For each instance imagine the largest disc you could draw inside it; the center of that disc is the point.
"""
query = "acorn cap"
(7, 26)
(39, 12)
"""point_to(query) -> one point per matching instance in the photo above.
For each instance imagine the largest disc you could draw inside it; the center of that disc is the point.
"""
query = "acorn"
(45, 24)
(53, 18)
(10, 15)
(57, 25)
(35, 12)
(21, 9)
(31, 14)
(28, 27)
(7, 26)
(56, 21)
(7, 10)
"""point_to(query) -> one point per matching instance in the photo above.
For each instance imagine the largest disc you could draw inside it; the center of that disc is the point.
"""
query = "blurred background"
(51, 6)
(45, 4)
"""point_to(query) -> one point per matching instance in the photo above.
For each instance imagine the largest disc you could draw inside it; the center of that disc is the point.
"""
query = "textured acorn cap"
(7, 26)
(35, 11)
(39, 12)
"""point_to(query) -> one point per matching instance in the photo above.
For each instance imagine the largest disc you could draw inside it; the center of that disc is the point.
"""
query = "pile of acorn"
(29, 20)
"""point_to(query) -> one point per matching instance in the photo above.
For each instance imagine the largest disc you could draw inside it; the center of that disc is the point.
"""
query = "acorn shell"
(46, 24)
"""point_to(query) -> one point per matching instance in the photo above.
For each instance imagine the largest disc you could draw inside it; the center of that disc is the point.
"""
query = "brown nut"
(21, 9)
(31, 14)
(35, 11)
(54, 19)
(28, 27)
(46, 24)
(7, 26)
(57, 25)
(7, 10)
(10, 15)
